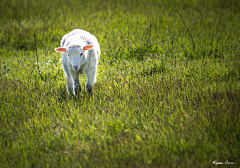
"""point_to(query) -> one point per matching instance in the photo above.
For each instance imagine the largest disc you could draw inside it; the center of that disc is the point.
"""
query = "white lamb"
(80, 55)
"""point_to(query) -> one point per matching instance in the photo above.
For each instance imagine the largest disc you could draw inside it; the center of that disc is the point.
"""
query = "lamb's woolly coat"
(77, 59)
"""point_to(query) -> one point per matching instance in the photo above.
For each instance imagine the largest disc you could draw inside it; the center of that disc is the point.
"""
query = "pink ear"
(88, 47)
(61, 49)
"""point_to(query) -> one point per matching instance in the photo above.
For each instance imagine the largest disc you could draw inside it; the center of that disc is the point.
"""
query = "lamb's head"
(77, 54)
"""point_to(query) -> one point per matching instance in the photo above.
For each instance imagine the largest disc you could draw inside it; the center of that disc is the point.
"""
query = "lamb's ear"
(88, 47)
(61, 49)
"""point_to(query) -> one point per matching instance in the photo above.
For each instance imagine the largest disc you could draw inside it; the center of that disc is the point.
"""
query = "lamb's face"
(76, 57)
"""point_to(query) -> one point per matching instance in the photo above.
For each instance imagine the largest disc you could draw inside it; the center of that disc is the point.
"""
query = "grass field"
(167, 91)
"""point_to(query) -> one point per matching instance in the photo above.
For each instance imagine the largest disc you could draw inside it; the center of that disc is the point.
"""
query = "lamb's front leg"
(69, 85)
(91, 78)
(76, 82)
(68, 74)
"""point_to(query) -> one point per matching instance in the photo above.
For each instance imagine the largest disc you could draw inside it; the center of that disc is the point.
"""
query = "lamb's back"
(78, 35)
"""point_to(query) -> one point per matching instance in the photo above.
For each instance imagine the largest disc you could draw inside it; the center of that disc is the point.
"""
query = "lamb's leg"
(91, 78)
(76, 82)
(69, 85)
(68, 76)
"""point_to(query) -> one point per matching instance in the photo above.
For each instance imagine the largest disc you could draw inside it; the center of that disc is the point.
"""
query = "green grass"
(167, 91)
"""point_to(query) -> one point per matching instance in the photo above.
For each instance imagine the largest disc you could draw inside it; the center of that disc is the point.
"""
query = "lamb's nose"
(75, 67)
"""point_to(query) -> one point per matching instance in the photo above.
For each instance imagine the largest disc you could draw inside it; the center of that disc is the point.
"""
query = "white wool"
(79, 59)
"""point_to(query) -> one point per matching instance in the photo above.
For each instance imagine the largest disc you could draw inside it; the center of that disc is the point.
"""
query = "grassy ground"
(167, 91)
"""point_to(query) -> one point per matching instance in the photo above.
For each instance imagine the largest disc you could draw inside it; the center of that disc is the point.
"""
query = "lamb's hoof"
(77, 90)
(89, 90)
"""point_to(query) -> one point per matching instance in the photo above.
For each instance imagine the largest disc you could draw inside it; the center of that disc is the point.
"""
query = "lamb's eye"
(68, 54)
(81, 54)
